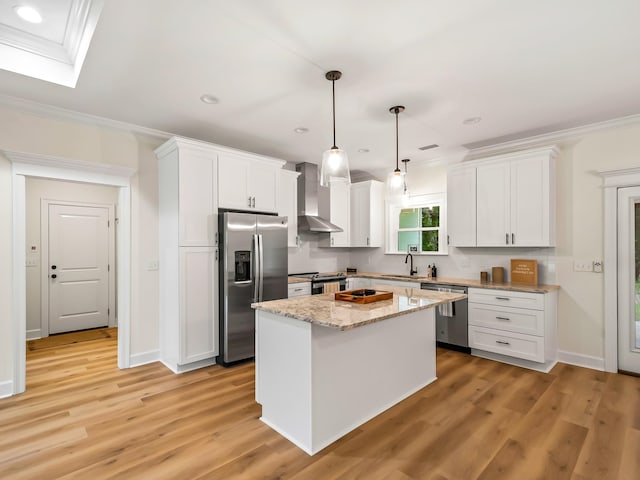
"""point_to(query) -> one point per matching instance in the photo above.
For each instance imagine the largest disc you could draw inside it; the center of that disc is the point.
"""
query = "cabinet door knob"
(253, 202)
(513, 239)
(506, 239)
(54, 275)
(249, 202)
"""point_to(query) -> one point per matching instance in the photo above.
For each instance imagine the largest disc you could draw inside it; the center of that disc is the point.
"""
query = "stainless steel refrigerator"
(253, 268)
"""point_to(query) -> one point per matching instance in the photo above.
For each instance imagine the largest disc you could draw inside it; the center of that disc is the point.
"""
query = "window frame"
(416, 201)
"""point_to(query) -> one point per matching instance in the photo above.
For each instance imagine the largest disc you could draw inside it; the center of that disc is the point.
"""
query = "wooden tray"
(359, 296)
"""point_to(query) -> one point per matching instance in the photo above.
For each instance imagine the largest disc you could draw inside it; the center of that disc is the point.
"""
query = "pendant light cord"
(397, 142)
(333, 94)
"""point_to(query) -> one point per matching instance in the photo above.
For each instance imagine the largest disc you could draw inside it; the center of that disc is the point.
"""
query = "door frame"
(44, 273)
(45, 166)
(612, 181)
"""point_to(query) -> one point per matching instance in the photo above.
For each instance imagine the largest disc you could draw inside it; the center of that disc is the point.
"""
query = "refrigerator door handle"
(261, 267)
(256, 268)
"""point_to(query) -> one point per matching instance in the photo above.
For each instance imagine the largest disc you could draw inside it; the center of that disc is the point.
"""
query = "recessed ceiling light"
(301, 130)
(363, 150)
(28, 14)
(210, 99)
(471, 120)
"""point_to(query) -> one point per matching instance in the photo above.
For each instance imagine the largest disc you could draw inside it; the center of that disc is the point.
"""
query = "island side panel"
(283, 376)
(359, 373)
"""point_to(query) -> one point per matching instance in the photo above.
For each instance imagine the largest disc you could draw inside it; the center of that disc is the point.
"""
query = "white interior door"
(78, 267)
(629, 279)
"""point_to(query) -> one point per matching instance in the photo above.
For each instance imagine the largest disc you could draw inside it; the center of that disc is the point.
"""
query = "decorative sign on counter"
(524, 271)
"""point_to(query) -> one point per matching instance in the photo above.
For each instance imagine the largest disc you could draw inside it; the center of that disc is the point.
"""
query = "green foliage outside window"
(419, 226)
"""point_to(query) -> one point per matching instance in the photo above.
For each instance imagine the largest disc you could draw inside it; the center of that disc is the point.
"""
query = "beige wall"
(34, 133)
(38, 189)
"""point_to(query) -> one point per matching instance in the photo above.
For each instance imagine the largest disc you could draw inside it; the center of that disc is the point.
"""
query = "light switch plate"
(582, 266)
(597, 266)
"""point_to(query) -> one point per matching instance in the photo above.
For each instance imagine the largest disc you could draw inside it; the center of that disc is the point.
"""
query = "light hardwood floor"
(81, 418)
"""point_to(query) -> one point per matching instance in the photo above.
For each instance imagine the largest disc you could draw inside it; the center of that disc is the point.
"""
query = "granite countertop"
(324, 310)
(464, 282)
(298, 280)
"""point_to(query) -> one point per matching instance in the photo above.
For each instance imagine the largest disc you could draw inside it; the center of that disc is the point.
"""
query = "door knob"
(53, 267)
(54, 276)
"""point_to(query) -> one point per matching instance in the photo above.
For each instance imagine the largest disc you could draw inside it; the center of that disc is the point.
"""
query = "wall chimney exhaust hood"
(313, 201)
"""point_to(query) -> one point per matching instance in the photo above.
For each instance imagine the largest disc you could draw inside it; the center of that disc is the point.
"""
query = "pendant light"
(405, 190)
(335, 163)
(395, 180)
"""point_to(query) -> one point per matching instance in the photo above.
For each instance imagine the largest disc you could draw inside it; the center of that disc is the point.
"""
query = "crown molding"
(550, 138)
(83, 118)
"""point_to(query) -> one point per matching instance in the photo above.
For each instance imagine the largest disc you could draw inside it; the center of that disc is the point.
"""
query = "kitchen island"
(324, 367)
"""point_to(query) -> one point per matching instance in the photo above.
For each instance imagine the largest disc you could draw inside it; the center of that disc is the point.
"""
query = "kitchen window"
(418, 227)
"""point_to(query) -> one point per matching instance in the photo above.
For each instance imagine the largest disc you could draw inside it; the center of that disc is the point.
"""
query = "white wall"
(311, 258)
(38, 189)
(33, 133)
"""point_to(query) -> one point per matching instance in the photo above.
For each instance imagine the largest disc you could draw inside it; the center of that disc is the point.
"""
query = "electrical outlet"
(152, 265)
(582, 266)
(597, 266)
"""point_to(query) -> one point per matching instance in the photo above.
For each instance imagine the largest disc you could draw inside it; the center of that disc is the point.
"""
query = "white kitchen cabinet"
(248, 183)
(461, 207)
(187, 177)
(395, 283)
(514, 327)
(367, 214)
(515, 200)
(288, 203)
(299, 289)
(198, 279)
(355, 283)
(187, 227)
(339, 204)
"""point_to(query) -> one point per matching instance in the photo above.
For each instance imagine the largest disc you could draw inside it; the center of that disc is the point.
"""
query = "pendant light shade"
(335, 162)
(405, 189)
(395, 181)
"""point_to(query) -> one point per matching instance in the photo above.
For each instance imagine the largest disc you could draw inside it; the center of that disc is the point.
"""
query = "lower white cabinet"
(188, 326)
(299, 289)
(519, 327)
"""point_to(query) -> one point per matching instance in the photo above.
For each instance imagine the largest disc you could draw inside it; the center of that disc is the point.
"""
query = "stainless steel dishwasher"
(452, 329)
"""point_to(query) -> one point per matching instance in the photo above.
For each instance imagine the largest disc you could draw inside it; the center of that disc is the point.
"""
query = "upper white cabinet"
(503, 201)
(516, 200)
(461, 207)
(288, 203)
(340, 201)
(367, 214)
(187, 179)
(248, 183)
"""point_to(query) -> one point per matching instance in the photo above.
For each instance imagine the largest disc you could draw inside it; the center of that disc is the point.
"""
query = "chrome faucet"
(411, 270)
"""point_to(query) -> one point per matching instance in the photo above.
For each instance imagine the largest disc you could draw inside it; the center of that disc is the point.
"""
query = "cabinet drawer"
(506, 318)
(299, 289)
(517, 345)
(507, 298)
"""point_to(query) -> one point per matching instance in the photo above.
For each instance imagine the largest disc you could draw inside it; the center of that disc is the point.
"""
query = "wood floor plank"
(83, 418)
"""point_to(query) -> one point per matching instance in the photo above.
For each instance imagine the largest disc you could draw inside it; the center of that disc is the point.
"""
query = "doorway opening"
(41, 166)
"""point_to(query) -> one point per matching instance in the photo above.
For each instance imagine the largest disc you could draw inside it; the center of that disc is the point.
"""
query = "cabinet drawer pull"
(507, 319)
(249, 204)
(503, 298)
(502, 342)
(297, 289)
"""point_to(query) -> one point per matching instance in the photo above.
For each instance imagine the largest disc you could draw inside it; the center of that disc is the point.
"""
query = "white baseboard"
(33, 334)
(143, 358)
(175, 368)
(6, 389)
(580, 360)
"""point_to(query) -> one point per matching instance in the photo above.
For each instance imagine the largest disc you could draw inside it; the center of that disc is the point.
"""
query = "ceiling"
(523, 67)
